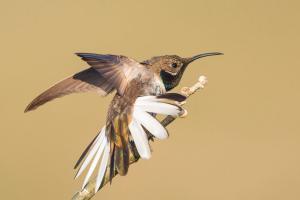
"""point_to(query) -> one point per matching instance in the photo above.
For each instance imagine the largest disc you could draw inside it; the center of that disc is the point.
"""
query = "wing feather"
(84, 81)
(118, 70)
(107, 72)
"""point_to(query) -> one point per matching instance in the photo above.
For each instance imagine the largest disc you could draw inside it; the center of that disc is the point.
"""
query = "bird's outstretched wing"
(107, 72)
(117, 70)
(130, 133)
(84, 81)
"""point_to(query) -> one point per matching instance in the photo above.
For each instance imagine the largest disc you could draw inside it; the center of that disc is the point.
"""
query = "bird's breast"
(156, 86)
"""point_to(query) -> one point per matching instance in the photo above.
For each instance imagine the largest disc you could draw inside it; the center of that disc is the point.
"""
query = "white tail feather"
(140, 139)
(100, 149)
(146, 99)
(159, 108)
(95, 161)
(103, 166)
(92, 152)
(156, 105)
(150, 123)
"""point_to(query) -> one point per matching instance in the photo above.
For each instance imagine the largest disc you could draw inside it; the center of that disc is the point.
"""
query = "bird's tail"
(127, 135)
(98, 150)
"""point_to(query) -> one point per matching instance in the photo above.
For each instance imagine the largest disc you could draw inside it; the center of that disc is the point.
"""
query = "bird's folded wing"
(84, 81)
(117, 70)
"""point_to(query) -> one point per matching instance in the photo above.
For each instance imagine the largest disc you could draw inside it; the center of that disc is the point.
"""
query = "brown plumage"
(88, 80)
(131, 80)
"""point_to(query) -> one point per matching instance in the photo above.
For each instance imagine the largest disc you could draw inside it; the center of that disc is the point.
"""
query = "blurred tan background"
(241, 139)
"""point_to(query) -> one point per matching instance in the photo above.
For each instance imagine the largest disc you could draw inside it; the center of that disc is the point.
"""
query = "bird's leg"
(89, 190)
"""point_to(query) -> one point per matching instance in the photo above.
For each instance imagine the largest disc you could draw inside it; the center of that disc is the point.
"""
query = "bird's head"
(172, 67)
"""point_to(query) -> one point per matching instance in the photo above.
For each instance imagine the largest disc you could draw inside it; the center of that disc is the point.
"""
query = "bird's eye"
(174, 65)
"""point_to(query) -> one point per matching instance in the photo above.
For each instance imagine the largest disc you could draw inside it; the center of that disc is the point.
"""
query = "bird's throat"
(170, 81)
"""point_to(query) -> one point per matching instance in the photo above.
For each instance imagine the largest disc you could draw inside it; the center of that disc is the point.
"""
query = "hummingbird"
(141, 94)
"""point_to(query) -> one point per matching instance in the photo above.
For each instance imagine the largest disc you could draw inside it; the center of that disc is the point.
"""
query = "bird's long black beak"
(191, 59)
